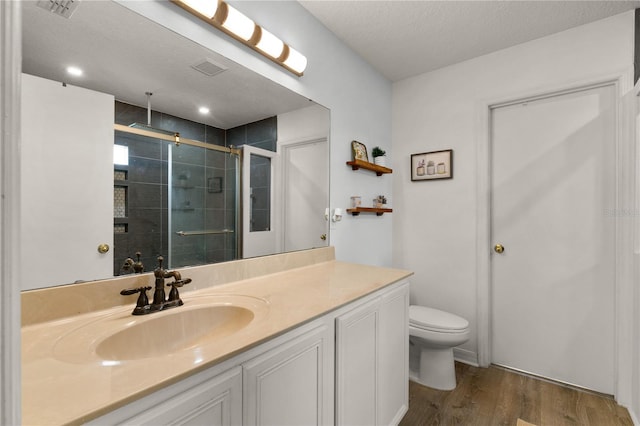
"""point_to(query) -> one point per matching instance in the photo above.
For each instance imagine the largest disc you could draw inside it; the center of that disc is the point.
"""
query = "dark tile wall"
(203, 189)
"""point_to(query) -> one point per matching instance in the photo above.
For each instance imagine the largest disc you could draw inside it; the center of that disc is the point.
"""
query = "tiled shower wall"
(204, 190)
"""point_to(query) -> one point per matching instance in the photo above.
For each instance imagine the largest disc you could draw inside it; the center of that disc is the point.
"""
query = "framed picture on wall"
(359, 151)
(214, 185)
(432, 165)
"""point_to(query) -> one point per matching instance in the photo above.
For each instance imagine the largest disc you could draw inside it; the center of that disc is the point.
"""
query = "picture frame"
(359, 151)
(214, 185)
(432, 165)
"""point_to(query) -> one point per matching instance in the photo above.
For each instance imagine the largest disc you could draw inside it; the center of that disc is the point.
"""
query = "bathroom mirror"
(128, 56)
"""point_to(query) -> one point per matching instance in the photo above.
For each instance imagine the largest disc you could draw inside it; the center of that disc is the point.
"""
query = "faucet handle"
(179, 283)
(173, 294)
(143, 300)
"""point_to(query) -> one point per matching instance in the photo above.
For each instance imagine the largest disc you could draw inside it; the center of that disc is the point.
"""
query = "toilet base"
(436, 368)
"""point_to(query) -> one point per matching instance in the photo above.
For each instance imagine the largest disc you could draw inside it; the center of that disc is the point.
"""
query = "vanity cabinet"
(372, 344)
(348, 367)
(287, 380)
(209, 398)
(291, 384)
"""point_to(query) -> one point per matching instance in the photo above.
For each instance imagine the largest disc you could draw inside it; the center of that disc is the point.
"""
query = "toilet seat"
(432, 319)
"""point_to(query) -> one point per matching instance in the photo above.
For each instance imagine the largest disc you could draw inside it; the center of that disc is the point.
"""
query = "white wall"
(359, 99)
(434, 222)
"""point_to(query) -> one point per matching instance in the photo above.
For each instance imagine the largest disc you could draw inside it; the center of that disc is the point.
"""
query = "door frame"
(245, 216)
(10, 331)
(626, 183)
(284, 148)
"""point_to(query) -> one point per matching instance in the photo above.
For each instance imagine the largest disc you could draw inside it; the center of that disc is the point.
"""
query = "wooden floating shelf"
(359, 164)
(377, 211)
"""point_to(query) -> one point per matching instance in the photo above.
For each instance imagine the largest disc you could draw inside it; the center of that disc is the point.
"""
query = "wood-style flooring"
(494, 396)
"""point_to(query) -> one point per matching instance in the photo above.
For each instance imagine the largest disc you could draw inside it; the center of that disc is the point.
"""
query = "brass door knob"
(323, 237)
(103, 248)
(499, 248)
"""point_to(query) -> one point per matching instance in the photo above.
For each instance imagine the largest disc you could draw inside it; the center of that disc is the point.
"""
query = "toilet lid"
(429, 318)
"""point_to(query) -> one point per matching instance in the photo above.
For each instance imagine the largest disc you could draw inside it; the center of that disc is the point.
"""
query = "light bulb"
(270, 44)
(207, 8)
(238, 24)
(296, 60)
(75, 71)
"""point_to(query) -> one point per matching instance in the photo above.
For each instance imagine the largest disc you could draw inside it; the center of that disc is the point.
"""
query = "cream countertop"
(59, 387)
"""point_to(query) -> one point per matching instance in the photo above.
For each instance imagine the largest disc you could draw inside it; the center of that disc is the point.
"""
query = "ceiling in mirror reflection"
(126, 55)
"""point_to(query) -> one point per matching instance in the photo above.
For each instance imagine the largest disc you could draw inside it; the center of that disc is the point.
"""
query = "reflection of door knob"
(323, 237)
(499, 248)
(103, 248)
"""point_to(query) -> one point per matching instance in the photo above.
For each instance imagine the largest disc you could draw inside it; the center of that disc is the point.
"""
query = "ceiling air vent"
(208, 67)
(64, 8)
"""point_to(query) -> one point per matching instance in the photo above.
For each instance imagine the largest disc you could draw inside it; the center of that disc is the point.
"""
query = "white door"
(553, 168)
(306, 195)
(259, 210)
(67, 160)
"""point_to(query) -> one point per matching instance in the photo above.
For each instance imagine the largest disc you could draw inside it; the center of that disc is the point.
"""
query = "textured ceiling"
(402, 39)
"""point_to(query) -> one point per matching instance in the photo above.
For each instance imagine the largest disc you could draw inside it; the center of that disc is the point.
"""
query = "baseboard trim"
(633, 416)
(465, 356)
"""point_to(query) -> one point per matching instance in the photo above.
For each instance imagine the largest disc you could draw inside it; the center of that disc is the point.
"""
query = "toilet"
(433, 334)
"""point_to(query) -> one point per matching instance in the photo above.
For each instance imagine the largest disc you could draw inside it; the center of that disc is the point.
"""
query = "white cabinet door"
(291, 385)
(372, 374)
(215, 402)
(356, 363)
(393, 358)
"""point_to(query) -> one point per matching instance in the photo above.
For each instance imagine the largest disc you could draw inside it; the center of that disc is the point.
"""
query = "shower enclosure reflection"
(180, 199)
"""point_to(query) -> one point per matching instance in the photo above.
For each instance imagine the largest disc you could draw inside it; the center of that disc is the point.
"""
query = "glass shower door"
(202, 195)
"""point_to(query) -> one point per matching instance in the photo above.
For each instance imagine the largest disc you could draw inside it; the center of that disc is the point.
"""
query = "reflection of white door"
(305, 192)
(553, 180)
(259, 210)
(66, 183)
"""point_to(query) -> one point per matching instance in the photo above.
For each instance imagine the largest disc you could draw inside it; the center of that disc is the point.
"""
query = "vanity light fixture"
(234, 23)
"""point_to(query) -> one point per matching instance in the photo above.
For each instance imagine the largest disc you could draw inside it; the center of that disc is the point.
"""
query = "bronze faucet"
(159, 303)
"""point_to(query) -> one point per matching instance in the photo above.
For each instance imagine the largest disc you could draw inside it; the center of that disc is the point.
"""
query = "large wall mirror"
(246, 177)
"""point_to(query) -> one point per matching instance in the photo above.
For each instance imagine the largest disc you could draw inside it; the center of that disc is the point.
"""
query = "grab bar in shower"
(218, 231)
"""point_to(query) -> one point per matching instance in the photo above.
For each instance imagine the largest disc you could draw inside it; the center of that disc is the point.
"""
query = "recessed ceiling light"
(74, 71)
(203, 110)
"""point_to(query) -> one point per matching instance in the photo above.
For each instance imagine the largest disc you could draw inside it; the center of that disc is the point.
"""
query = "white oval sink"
(120, 336)
(175, 331)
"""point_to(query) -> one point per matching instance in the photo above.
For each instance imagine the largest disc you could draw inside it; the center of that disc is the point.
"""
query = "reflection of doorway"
(553, 286)
(305, 176)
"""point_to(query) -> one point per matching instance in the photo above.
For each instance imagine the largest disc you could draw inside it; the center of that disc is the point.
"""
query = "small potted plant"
(379, 156)
(380, 201)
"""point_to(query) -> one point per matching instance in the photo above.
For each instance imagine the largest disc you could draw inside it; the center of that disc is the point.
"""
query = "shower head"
(152, 129)
(148, 126)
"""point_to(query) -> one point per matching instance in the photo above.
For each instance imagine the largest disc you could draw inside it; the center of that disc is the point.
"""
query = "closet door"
(553, 230)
